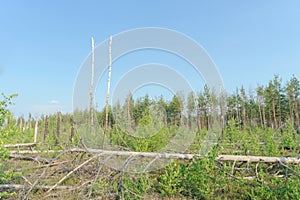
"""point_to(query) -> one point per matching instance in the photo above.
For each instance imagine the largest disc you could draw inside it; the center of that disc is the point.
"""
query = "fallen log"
(14, 187)
(253, 159)
(256, 159)
(116, 153)
(20, 145)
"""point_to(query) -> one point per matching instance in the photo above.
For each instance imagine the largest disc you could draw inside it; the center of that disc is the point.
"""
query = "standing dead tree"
(108, 91)
(46, 132)
(72, 131)
(92, 87)
(58, 128)
(36, 130)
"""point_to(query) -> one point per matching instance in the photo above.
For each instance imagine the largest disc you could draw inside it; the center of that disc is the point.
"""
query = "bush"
(5, 115)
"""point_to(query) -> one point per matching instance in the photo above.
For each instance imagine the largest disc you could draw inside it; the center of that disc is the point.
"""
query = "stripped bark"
(256, 159)
(250, 159)
(108, 92)
(92, 87)
(19, 145)
(36, 131)
(15, 187)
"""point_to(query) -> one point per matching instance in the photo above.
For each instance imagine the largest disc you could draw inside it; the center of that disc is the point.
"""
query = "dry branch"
(28, 158)
(43, 173)
(71, 172)
(51, 164)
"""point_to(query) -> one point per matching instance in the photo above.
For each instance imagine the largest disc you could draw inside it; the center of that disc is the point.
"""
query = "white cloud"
(54, 102)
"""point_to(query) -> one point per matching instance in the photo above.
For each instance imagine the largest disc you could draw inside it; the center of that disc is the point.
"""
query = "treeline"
(271, 106)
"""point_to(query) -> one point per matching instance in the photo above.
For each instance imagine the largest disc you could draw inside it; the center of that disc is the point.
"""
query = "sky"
(44, 43)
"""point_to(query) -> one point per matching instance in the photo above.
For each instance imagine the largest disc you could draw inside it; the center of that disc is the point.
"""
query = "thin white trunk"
(108, 88)
(36, 130)
(92, 86)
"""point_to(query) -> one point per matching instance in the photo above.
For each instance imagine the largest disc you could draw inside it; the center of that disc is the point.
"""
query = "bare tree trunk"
(21, 123)
(244, 121)
(291, 109)
(128, 113)
(198, 119)
(263, 114)
(108, 91)
(222, 108)
(260, 114)
(29, 121)
(297, 111)
(36, 130)
(274, 114)
(72, 131)
(46, 132)
(58, 128)
(92, 87)
(238, 119)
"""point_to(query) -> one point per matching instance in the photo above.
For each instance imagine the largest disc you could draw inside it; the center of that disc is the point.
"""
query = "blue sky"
(43, 43)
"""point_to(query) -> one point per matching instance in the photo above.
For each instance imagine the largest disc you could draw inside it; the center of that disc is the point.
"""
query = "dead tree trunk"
(297, 111)
(108, 91)
(58, 128)
(72, 131)
(21, 124)
(92, 87)
(222, 108)
(36, 130)
(274, 114)
(46, 132)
